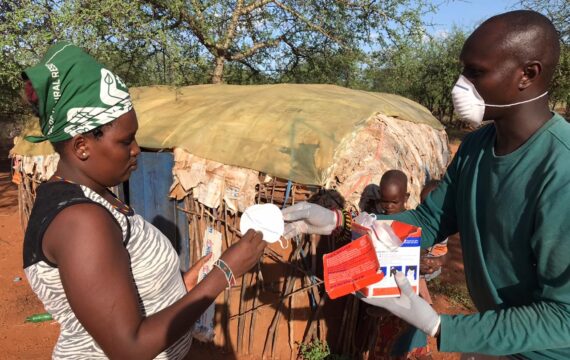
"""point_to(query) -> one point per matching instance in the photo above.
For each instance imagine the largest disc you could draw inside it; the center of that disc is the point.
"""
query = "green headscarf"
(76, 94)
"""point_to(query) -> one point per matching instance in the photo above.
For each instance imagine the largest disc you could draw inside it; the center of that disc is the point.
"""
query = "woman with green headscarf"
(110, 278)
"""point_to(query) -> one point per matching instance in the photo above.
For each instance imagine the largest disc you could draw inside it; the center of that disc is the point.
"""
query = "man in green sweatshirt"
(507, 192)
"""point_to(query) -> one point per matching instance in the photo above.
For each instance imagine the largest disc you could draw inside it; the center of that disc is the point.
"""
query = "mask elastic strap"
(281, 243)
(518, 103)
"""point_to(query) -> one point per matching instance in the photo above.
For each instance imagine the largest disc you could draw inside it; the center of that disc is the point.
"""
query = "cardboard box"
(405, 258)
(351, 267)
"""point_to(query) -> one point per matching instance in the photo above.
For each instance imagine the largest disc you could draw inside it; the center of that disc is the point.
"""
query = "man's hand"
(307, 218)
(191, 276)
(409, 307)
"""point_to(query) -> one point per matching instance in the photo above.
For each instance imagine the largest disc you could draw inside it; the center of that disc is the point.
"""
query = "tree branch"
(49, 21)
(255, 5)
(307, 22)
(198, 9)
(256, 47)
(190, 20)
(253, 69)
(233, 25)
(297, 55)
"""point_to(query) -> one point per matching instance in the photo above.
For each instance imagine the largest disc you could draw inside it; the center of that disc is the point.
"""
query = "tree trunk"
(450, 116)
(218, 76)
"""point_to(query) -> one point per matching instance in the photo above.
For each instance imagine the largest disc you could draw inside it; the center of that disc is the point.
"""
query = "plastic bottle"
(39, 317)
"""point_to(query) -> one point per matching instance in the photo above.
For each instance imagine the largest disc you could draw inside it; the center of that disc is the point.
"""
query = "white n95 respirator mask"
(470, 106)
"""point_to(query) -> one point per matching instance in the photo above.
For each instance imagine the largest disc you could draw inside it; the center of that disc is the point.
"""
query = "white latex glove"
(409, 307)
(308, 218)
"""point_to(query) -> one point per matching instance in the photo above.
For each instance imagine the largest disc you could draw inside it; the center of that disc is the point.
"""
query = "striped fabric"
(155, 268)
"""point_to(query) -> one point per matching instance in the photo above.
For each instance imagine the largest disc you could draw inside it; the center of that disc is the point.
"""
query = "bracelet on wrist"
(347, 222)
(228, 273)
(346, 225)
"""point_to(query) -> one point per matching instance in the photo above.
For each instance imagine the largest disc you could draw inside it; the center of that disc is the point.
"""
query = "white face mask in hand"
(470, 106)
(267, 219)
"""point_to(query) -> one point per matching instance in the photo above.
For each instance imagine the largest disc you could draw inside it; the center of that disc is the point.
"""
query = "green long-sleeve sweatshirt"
(513, 215)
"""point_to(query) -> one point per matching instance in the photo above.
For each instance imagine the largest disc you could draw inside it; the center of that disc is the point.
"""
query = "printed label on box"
(350, 268)
(405, 258)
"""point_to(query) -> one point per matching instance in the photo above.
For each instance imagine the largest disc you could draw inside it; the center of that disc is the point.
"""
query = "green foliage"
(337, 66)
(318, 350)
(560, 93)
(276, 37)
(424, 71)
(182, 42)
(125, 36)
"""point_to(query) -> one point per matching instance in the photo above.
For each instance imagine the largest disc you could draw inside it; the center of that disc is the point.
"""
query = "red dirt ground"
(20, 340)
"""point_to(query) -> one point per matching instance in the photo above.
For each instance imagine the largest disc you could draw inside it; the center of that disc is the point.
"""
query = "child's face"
(392, 199)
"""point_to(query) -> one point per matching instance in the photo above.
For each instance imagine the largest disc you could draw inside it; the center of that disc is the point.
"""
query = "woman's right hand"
(244, 254)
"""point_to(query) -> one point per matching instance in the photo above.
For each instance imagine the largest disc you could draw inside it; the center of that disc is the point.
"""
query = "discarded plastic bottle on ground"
(39, 317)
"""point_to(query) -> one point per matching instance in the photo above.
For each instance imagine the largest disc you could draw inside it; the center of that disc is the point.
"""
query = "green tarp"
(288, 131)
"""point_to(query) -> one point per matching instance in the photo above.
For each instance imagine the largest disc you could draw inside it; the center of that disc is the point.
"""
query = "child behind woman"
(396, 339)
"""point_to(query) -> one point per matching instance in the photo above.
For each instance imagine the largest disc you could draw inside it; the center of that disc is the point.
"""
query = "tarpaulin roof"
(286, 130)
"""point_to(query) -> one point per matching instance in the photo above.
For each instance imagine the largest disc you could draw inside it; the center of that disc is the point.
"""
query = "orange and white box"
(404, 256)
(351, 267)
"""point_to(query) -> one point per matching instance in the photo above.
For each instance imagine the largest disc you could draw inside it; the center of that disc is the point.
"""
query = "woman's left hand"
(191, 276)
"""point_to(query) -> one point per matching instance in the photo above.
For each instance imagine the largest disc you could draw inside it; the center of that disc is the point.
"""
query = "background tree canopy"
(425, 71)
(364, 44)
(190, 41)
